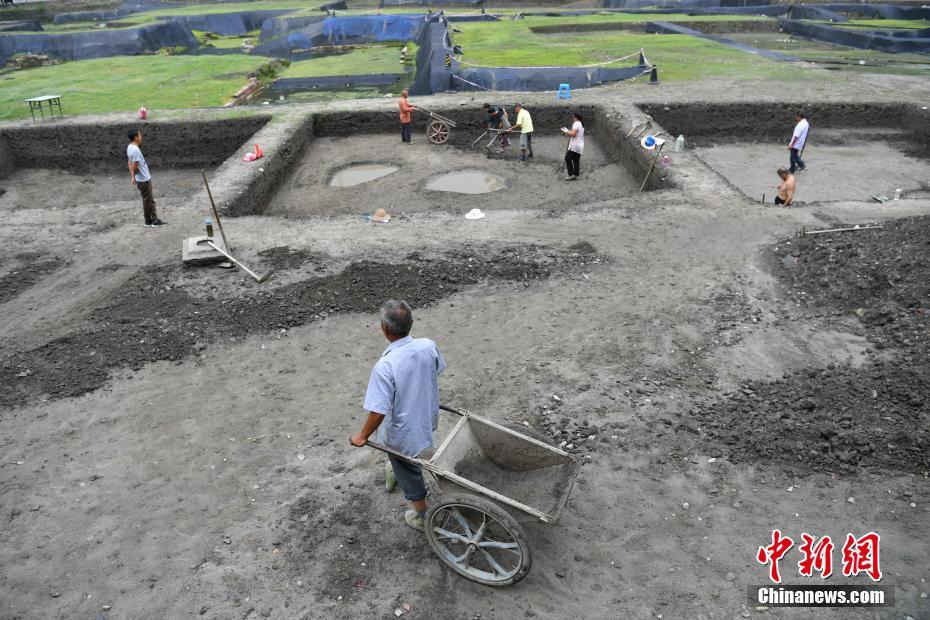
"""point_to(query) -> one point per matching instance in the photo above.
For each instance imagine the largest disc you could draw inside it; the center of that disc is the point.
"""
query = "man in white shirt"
(140, 177)
(575, 147)
(796, 146)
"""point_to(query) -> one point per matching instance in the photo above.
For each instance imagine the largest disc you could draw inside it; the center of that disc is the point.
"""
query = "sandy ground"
(212, 477)
(529, 183)
(834, 173)
(33, 188)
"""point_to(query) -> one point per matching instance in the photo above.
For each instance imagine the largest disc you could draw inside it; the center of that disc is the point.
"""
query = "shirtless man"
(786, 189)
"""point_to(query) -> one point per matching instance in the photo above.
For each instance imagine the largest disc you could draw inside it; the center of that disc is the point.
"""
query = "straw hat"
(650, 143)
(474, 214)
(380, 216)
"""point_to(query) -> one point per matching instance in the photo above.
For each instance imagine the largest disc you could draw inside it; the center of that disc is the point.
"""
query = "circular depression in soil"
(467, 182)
(361, 173)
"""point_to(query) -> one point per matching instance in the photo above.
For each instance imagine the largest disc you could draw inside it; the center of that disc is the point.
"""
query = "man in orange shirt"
(405, 108)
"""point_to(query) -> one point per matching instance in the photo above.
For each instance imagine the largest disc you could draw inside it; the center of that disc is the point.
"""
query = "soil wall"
(283, 147)
(469, 122)
(7, 163)
(626, 149)
(165, 144)
(708, 123)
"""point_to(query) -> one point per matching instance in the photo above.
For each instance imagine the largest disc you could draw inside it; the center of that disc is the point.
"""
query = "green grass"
(128, 82)
(887, 24)
(679, 57)
(381, 59)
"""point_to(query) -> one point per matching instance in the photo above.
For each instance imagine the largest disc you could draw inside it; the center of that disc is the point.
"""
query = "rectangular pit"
(67, 165)
(854, 151)
(610, 167)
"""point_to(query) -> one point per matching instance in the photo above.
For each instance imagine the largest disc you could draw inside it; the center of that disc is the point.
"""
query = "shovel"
(254, 275)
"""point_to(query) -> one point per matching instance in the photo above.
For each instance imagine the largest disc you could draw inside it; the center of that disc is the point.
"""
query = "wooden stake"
(216, 213)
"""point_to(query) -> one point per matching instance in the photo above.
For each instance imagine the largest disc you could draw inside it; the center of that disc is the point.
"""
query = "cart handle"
(452, 409)
(383, 448)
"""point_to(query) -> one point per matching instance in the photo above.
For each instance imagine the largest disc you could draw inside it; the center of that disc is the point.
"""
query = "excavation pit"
(853, 151)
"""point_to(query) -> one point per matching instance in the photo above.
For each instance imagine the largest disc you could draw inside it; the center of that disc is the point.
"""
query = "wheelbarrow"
(439, 128)
(485, 472)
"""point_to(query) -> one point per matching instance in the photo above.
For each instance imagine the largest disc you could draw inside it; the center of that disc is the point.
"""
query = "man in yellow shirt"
(525, 125)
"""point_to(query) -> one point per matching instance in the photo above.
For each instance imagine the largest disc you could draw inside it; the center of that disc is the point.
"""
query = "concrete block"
(193, 254)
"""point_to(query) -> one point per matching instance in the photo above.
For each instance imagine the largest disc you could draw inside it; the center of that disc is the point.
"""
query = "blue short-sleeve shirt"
(404, 388)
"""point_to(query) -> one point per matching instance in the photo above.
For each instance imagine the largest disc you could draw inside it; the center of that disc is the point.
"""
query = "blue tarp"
(280, 25)
(227, 24)
(345, 31)
(98, 44)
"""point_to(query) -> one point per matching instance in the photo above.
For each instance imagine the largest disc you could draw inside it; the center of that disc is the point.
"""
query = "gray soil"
(835, 172)
(307, 191)
(175, 440)
(36, 188)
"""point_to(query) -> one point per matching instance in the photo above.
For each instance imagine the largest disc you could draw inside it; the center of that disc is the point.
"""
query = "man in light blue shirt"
(140, 177)
(403, 402)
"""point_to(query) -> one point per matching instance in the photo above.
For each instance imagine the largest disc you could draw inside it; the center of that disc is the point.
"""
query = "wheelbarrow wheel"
(478, 540)
(437, 132)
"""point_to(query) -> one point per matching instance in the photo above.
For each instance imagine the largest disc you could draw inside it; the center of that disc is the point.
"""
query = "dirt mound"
(153, 319)
(283, 257)
(840, 418)
(30, 269)
(829, 420)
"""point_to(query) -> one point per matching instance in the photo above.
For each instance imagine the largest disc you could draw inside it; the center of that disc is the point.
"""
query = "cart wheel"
(478, 540)
(437, 132)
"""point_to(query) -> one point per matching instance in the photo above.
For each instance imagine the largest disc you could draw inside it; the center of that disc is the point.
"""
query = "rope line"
(472, 83)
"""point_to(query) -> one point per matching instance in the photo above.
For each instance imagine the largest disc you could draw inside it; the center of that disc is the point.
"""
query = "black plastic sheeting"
(388, 3)
(433, 44)
(883, 11)
(680, 4)
(882, 41)
(660, 27)
(339, 5)
(99, 44)
(336, 81)
(539, 78)
(21, 26)
(485, 17)
(434, 76)
(353, 30)
(227, 24)
(126, 8)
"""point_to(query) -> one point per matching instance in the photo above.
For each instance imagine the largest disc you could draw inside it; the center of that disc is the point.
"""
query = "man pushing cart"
(481, 468)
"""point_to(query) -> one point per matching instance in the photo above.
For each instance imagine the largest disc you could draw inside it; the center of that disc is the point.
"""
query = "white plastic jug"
(679, 144)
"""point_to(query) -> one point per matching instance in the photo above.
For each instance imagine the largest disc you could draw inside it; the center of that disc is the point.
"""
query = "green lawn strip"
(359, 61)
(885, 24)
(678, 56)
(128, 82)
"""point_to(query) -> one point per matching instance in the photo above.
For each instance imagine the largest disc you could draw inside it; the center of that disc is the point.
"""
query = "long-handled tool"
(216, 213)
(479, 137)
(561, 166)
(254, 275)
(653, 166)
